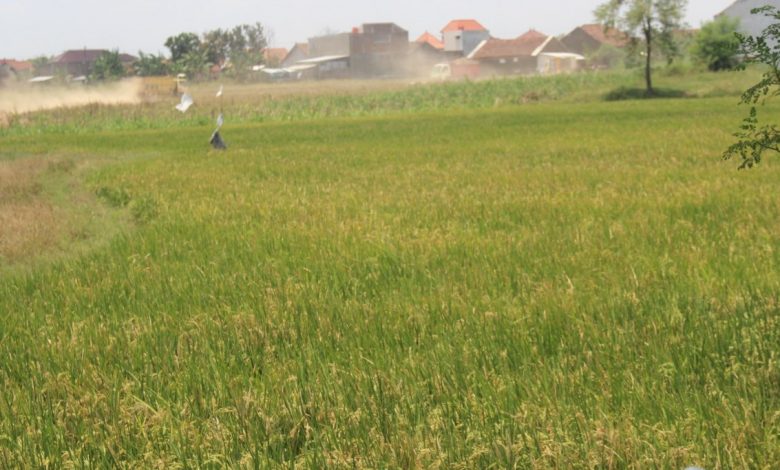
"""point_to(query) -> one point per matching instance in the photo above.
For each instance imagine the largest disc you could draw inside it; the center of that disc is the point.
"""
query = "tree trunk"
(648, 58)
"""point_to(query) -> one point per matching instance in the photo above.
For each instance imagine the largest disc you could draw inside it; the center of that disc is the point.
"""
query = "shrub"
(717, 45)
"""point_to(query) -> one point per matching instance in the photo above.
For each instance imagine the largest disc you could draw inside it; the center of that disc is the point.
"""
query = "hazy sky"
(30, 28)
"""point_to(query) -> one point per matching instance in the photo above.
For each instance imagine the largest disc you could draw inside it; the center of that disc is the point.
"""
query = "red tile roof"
(609, 36)
(80, 56)
(532, 34)
(274, 54)
(18, 65)
(431, 40)
(463, 25)
(498, 48)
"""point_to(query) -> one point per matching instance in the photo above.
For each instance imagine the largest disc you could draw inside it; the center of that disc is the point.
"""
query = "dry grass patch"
(27, 228)
(28, 223)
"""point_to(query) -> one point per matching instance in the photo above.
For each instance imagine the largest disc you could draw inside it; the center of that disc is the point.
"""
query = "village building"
(752, 25)
(330, 56)
(80, 62)
(424, 54)
(430, 40)
(274, 56)
(299, 52)
(588, 39)
(15, 68)
(374, 50)
(464, 68)
(463, 36)
(530, 54)
(533, 34)
(379, 50)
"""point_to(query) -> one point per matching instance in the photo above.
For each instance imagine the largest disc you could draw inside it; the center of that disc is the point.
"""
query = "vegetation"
(717, 46)
(235, 49)
(756, 139)
(607, 56)
(181, 45)
(254, 103)
(655, 20)
(150, 65)
(108, 67)
(488, 284)
(40, 64)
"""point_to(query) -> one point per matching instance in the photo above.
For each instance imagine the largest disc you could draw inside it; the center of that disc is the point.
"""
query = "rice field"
(474, 282)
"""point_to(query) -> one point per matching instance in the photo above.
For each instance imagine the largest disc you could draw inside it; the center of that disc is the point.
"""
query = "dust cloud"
(24, 98)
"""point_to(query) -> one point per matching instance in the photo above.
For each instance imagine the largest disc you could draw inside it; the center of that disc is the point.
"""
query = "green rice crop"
(254, 104)
(450, 285)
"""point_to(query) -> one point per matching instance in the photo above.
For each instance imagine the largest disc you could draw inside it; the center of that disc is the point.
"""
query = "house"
(299, 52)
(374, 50)
(430, 40)
(423, 57)
(464, 68)
(330, 45)
(589, 38)
(532, 34)
(79, 63)
(326, 67)
(378, 50)
(463, 36)
(273, 56)
(15, 68)
(752, 25)
(528, 55)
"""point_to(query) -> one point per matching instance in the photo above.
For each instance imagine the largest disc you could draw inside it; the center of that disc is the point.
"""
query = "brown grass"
(28, 223)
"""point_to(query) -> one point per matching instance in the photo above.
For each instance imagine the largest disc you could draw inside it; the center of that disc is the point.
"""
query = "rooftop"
(274, 54)
(532, 34)
(498, 48)
(80, 56)
(606, 35)
(18, 65)
(463, 25)
(431, 40)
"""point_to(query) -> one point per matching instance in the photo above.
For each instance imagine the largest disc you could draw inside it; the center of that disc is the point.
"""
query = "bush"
(717, 45)
(627, 93)
(607, 56)
(108, 67)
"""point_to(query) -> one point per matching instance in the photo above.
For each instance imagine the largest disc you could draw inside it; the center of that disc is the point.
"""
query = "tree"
(182, 44)
(654, 20)
(716, 45)
(108, 67)
(216, 44)
(150, 65)
(41, 65)
(756, 139)
(245, 45)
(5, 74)
(607, 56)
(241, 47)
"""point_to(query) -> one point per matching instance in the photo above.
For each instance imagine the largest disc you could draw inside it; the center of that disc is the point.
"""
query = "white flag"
(186, 102)
(219, 93)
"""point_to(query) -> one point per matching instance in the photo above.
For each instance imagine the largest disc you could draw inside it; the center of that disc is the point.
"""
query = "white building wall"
(464, 41)
(752, 25)
(453, 41)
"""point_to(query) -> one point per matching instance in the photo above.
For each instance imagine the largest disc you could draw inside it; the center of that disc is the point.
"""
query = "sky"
(31, 28)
